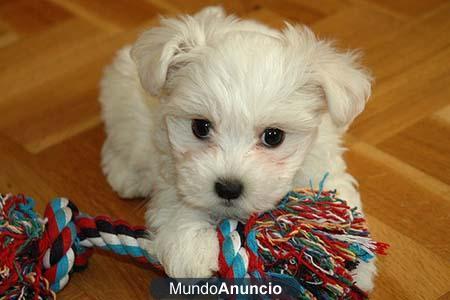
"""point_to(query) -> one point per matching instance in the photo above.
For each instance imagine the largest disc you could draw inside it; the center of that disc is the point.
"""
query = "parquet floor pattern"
(51, 57)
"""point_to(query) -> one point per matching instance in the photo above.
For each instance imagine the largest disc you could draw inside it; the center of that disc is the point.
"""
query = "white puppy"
(216, 117)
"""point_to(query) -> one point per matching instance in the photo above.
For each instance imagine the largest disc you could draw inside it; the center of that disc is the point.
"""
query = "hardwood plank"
(431, 153)
(67, 111)
(7, 35)
(297, 11)
(408, 261)
(89, 16)
(111, 277)
(421, 179)
(357, 27)
(55, 123)
(18, 174)
(411, 8)
(64, 102)
(30, 16)
(428, 94)
(293, 11)
(37, 60)
(123, 13)
(413, 44)
(325, 7)
(268, 17)
(442, 115)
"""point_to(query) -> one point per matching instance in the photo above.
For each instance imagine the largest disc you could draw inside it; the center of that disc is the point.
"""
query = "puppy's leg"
(364, 275)
(184, 240)
(188, 252)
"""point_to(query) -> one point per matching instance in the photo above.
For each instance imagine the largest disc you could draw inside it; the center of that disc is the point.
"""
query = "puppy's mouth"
(229, 203)
(242, 208)
(232, 209)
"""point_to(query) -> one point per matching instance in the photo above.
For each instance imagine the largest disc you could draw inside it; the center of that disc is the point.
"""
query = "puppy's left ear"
(345, 83)
(161, 51)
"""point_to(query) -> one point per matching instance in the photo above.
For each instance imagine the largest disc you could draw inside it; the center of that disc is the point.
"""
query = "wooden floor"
(51, 56)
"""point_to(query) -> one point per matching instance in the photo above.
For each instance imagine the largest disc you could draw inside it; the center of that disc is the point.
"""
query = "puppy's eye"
(201, 128)
(272, 137)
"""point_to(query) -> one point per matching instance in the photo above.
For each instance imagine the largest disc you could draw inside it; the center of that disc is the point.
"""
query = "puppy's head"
(242, 104)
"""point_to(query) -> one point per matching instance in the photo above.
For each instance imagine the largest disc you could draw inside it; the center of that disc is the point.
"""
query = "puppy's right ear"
(344, 82)
(161, 51)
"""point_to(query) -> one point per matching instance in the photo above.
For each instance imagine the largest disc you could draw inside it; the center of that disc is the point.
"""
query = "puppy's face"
(242, 104)
(240, 125)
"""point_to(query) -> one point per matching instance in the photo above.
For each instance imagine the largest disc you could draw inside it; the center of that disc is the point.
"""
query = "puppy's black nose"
(228, 188)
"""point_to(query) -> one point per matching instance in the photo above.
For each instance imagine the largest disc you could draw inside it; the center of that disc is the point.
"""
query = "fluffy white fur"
(243, 77)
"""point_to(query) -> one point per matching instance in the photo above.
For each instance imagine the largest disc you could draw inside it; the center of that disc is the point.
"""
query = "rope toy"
(312, 238)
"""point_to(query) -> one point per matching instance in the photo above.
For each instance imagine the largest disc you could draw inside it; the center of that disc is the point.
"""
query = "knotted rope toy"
(311, 239)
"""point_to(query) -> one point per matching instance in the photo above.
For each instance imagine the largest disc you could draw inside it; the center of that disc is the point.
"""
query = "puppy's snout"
(228, 188)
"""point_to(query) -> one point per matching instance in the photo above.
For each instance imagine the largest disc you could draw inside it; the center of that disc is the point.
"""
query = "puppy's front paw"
(190, 253)
(365, 275)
